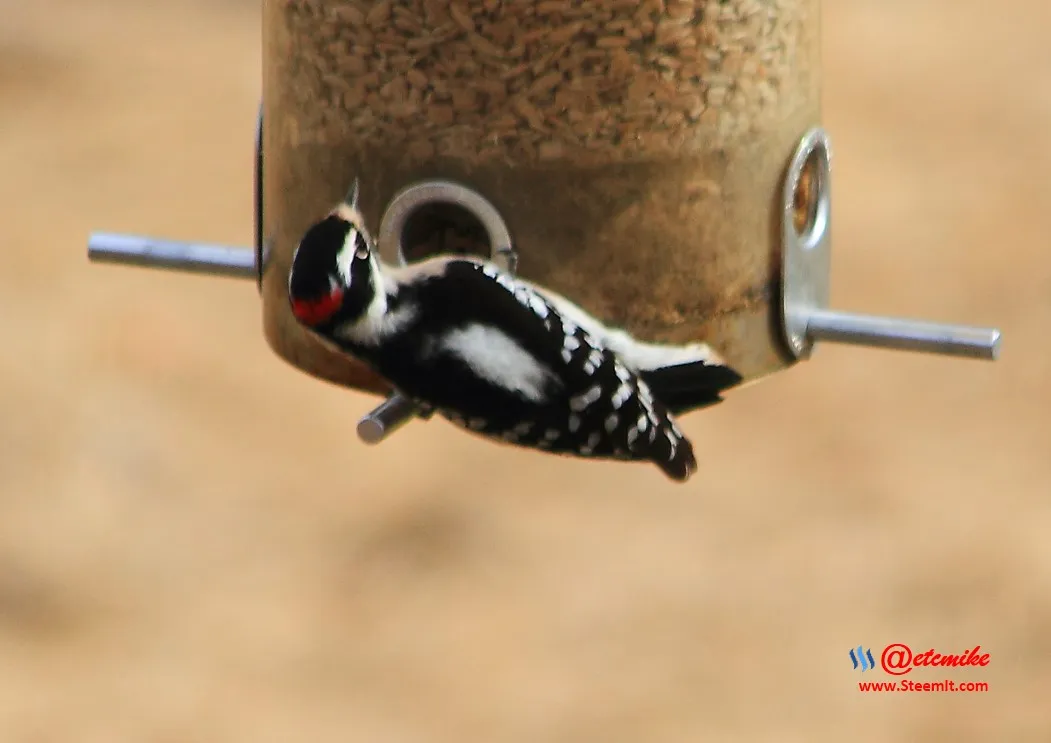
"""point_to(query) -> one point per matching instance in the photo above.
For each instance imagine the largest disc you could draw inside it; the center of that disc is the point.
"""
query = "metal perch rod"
(903, 335)
(148, 252)
(822, 325)
(381, 422)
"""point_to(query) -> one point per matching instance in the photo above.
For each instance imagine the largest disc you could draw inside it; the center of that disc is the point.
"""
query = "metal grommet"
(807, 249)
(408, 200)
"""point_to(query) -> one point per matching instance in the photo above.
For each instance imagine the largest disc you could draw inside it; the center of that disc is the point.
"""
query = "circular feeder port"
(810, 200)
(434, 217)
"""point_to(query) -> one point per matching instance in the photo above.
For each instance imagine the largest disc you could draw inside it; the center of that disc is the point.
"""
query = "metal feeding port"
(807, 260)
(806, 207)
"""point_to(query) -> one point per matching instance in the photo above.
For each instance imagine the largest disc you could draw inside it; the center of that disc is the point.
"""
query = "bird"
(499, 356)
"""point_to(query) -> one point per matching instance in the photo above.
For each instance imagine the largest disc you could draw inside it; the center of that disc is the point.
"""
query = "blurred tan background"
(194, 547)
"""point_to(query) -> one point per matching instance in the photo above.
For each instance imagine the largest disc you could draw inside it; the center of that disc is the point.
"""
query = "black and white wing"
(493, 354)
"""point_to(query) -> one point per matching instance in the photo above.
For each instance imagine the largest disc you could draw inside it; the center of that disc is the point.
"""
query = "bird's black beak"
(351, 199)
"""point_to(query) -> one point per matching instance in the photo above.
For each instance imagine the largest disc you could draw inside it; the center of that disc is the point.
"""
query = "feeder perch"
(660, 164)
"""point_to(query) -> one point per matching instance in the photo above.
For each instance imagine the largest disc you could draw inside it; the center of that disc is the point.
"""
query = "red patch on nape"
(317, 311)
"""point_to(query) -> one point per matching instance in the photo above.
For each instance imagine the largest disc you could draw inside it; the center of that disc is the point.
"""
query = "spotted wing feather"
(605, 409)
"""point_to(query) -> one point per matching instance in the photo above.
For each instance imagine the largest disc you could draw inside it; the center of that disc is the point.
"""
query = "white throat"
(379, 321)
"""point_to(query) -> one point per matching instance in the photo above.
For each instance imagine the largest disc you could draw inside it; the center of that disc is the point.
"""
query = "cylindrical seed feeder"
(658, 162)
(635, 149)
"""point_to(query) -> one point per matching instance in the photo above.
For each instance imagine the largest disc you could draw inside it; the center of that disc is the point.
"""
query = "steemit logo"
(859, 656)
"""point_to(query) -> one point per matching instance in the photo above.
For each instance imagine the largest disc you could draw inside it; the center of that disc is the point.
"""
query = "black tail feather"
(687, 387)
(680, 466)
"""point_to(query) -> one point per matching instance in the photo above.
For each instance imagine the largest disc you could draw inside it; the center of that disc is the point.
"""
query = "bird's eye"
(361, 246)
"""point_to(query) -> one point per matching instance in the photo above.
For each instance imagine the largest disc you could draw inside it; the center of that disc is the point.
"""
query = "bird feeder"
(658, 162)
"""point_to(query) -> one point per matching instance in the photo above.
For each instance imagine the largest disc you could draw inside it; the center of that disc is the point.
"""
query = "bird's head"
(332, 279)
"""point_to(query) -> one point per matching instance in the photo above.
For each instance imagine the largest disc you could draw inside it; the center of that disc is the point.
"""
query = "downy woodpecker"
(500, 356)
